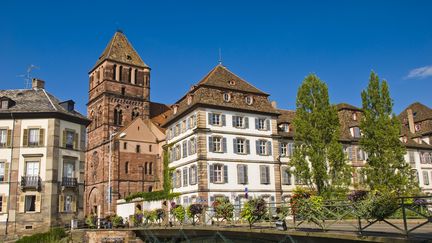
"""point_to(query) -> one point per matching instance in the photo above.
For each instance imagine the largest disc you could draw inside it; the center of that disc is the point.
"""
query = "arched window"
(98, 117)
(121, 73)
(118, 116)
(150, 188)
(150, 168)
(136, 75)
(93, 120)
(126, 167)
(130, 76)
(114, 72)
(135, 113)
(145, 168)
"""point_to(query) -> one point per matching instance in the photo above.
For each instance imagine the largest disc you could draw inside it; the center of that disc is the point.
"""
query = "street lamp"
(121, 135)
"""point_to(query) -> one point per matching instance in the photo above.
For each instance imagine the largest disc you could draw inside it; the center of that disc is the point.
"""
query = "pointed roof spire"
(119, 49)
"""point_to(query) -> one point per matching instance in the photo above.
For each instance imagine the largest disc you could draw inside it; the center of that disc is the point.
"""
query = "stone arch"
(118, 115)
(94, 199)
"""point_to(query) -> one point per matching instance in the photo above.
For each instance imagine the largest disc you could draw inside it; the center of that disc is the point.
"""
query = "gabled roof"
(221, 77)
(345, 106)
(119, 49)
(420, 112)
(143, 131)
(34, 102)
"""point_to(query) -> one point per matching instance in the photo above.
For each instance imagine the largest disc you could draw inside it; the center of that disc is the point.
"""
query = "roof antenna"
(27, 77)
(220, 56)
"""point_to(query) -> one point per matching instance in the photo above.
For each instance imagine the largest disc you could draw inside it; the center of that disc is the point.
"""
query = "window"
(290, 149)
(218, 173)
(138, 149)
(411, 157)
(283, 149)
(226, 97)
(193, 175)
(121, 74)
(354, 116)
(69, 169)
(265, 174)
(114, 72)
(30, 203)
(349, 152)
(189, 100)
(425, 158)
(216, 119)
(185, 176)
(425, 177)
(361, 155)
(69, 137)
(192, 146)
(193, 121)
(355, 132)
(242, 174)
(177, 152)
(150, 168)
(68, 203)
(130, 75)
(125, 145)
(150, 148)
(240, 122)
(217, 144)
(285, 127)
(298, 181)
(286, 176)
(33, 137)
(417, 127)
(1, 204)
(183, 126)
(262, 124)
(123, 90)
(118, 116)
(126, 167)
(178, 178)
(135, 113)
(2, 171)
(241, 146)
(249, 100)
(3, 137)
(32, 168)
(184, 144)
(263, 147)
(4, 104)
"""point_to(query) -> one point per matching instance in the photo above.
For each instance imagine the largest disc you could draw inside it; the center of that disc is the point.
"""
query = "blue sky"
(271, 44)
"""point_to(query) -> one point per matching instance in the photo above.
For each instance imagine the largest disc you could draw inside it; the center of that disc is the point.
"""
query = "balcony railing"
(69, 182)
(31, 182)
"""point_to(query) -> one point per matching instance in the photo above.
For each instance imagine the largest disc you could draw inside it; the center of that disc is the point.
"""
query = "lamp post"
(121, 135)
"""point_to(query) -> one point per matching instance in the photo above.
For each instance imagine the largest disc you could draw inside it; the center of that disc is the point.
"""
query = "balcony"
(69, 182)
(31, 182)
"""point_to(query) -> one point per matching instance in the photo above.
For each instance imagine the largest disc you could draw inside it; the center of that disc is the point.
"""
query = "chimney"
(411, 120)
(274, 104)
(38, 84)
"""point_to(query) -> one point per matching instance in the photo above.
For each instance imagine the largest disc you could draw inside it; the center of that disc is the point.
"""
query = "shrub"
(160, 214)
(377, 205)
(358, 195)
(299, 194)
(194, 210)
(116, 220)
(224, 209)
(91, 221)
(179, 213)
(254, 210)
(149, 216)
(137, 218)
(54, 235)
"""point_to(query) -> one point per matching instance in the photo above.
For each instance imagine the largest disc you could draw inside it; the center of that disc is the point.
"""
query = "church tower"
(119, 92)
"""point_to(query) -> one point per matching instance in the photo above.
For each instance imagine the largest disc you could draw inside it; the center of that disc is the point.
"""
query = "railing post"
(404, 217)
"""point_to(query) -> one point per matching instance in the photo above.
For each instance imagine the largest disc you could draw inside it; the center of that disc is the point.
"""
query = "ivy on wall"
(164, 194)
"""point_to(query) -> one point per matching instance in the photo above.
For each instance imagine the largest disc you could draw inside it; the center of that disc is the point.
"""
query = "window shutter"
(284, 176)
(61, 204)
(225, 173)
(256, 123)
(245, 174)
(239, 174)
(6, 172)
(185, 177)
(262, 174)
(267, 124)
(9, 138)
(185, 149)
(246, 122)
(189, 143)
(25, 138)
(233, 120)
(38, 203)
(4, 204)
(247, 146)
(74, 203)
(196, 148)
(21, 203)
(76, 140)
(41, 137)
(64, 139)
(187, 123)
(224, 145)
(267, 178)
(211, 173)
(209, 119)
(196, 174)
(210, 141)
(280, 149)
(257, 143)
(235, 146)
(190, 175)
(269, 148)
(223, 120)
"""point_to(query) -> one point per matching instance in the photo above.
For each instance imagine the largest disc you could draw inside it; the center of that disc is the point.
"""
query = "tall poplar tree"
(386, 168)
(318, 158)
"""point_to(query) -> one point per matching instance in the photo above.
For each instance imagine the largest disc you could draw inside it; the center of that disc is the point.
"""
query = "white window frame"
(261, 124)
(218, 173)
(216, 119)
(3, 137)
(241, 145)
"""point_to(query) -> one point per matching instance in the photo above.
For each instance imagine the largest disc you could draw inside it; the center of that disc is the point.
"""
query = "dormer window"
(226, 97)
(285, 127)
(175, 109)
(417, 127)
(355, 132)
(4, 104)
(189, 99)
(231, 82)
(249, 100)
(354, 116)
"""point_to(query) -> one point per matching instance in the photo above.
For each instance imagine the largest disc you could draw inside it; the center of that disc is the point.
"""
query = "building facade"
(119, 98)
(42, 144)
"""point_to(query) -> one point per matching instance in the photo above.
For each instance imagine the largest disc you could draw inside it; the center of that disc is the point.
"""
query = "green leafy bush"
(179, 213)
(377, 205)
(254, 210)
(150, 216)
(91, 220)
(54, 235)
(137, 218)
(224, 209)
(193, 211)
(116, 220)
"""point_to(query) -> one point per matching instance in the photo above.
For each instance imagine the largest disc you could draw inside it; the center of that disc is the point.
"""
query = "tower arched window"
(126, 167)
(121, 74)
(135, 76)
(99, 117)
(145, 168)
(150, 168)
(118, 116)
(130, 75)
(114, 72)
(135, 113)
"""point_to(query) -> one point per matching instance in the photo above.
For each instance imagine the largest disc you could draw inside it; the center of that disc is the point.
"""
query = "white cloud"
(422, 72)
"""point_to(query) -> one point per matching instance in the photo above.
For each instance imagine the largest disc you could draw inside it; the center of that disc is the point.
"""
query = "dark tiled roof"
(159, 113)
(120, 49)
(36, 101)
(209, 93)
(286, 116)
(345, 106)
(421, 114)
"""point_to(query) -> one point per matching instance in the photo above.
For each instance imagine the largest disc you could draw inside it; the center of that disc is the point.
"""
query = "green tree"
(386, 168)
(318, 157)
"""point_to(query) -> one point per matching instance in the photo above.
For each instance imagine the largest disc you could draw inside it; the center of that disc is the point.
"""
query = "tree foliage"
(224, 209)
(254, 210)
(318, 158)
(386, 169)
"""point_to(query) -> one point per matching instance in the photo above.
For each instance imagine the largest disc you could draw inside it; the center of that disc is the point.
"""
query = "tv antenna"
(220, 57)
(27, 77)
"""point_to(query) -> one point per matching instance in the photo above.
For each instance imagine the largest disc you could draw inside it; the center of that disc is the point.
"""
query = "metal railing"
(31, 182)
(69, 182)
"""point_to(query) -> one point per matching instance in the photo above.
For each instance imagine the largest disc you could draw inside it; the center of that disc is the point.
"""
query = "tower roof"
(119, 49)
